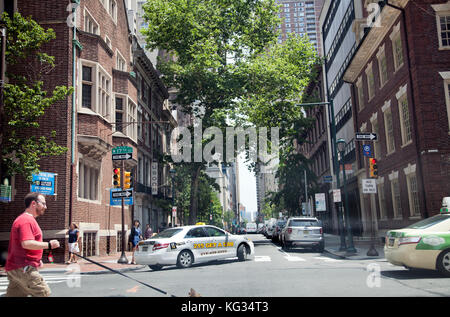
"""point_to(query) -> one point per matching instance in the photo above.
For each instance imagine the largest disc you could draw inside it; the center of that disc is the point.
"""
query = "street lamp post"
(330, 103)
(172, 175)
(351, 248)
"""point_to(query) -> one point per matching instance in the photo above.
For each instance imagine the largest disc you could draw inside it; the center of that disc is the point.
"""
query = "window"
(119, 114)
(86, 93)
(89, 239)
(376, 144)
(370, 82)
(108, 41)
(104, 94)
(131, 117)
(446, 77)
(113, 9)
(396, 199)
(389, 128)
(196, 233)
(213, 232)
(139, 125)
(360, 88)
(413, 195)
(88, 179)
(444, 31)
(90, 25)
(382, 66)
(120, 62)
(405, 121)
(397, 47)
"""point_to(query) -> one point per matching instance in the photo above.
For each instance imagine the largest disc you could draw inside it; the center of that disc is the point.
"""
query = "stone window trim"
(96, 70)
(396, 205)
(121, 63)
(86, 161)
(414, 206)
(446, 76)
(395, 34)
(370, 78)
(88, 15)
(401, 96)
(442, 10)
(360, 90)
(110, 7)
(381, 55)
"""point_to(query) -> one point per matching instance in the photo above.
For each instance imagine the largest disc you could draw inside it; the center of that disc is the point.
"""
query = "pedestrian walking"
(74, 239)
(25, 251)
(148, 232)
(136, 236)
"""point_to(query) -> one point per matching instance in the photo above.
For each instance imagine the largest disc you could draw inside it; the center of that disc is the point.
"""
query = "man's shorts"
(26, 281)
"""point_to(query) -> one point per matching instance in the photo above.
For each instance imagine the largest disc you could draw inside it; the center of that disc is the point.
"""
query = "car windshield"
(426, 223)
(168, 233)
(303, 223)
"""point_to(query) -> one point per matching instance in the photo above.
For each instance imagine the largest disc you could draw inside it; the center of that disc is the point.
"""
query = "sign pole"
(372, 251)
(123, 258)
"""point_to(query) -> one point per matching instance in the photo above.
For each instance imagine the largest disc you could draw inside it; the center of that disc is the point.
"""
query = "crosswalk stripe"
(327, 259)
(262, 258)
(294, 259)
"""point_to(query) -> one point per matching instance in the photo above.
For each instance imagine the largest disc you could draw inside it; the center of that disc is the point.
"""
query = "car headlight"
(409, 240)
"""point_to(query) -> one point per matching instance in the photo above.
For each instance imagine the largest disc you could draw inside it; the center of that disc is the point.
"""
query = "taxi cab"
(184, 246)
(424, 245)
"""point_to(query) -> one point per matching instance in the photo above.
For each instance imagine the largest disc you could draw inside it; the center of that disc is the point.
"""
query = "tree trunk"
(194, 195)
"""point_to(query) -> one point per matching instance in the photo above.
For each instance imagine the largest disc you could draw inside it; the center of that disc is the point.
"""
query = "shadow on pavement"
(412, 274)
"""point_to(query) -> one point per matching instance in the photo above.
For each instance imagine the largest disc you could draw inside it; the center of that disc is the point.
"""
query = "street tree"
(208, 42)
(25, 100)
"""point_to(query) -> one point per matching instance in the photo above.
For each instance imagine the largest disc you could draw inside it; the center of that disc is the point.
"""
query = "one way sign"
(366, 136)
(120, 194)
(119, 157)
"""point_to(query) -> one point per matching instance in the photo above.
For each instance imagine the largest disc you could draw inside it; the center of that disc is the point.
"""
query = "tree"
(209, 41)
(25, 101)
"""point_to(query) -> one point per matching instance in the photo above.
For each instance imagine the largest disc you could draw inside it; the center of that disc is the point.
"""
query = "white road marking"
(262, 258)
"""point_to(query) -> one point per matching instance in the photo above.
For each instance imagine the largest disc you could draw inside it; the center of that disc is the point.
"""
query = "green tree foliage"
(25, 101)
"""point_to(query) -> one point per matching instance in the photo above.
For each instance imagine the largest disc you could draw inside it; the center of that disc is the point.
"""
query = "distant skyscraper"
(301, 17)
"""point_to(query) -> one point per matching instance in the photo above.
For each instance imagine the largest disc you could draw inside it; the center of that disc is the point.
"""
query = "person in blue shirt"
(135, 237)
(74, 238)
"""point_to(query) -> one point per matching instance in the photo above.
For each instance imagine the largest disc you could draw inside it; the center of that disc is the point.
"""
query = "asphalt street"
(271, 273)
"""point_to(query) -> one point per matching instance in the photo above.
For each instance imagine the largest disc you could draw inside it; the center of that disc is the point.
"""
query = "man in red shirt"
(25, 251)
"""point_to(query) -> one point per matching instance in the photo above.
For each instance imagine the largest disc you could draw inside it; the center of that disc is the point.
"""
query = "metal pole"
(306, 195)
(351, 247)
(343, 246)
(123, 258)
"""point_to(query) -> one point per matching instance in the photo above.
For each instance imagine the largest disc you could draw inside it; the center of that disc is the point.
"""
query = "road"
(271, 273)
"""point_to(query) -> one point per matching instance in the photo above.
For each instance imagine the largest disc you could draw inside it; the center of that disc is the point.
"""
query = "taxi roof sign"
(200, 224)
(445, 205)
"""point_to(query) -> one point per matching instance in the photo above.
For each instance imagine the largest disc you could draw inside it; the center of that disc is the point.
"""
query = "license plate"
(305, 232)
(145, 249)
(391, 242)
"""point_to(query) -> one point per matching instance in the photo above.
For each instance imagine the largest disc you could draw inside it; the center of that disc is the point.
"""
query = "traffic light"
(373, 168)
(128, 180)
(116, 178)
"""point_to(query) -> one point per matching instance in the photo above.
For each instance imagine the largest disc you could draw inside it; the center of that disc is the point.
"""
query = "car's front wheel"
(443, 263)
(242, 253)
(185, 259)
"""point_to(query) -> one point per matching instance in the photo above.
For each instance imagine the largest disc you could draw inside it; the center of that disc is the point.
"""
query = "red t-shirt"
(25, 227)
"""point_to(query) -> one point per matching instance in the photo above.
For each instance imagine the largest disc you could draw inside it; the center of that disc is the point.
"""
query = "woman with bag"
(136, 236)
(74, 238)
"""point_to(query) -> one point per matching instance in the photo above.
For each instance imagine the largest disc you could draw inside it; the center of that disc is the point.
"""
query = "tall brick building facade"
(400, 78)
(106, 111)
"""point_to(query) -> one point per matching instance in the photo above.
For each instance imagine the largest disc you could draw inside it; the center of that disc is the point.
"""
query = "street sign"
(366, 136)
(44, 183)
(116, 197)
(320, 202)
(369, 186)
(120, 157)
(367, 150)
(337, 195)
(122, 150)
(328, 179)
(174, 211)
(122, 193)
(154, 178)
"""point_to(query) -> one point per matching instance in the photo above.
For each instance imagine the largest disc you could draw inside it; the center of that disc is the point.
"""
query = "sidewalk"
(88, 267)
(362, 245)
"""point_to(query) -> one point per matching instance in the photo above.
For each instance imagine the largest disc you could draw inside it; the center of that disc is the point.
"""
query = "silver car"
(184, 246)
(303, 232)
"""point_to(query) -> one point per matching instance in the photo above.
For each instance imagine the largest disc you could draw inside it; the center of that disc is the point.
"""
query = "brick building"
(400, 89)
(107, 101)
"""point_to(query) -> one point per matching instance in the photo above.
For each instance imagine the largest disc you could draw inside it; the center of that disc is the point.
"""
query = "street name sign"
(328, 179)
(366, 136)
(122, 150)
(116, 195)
(337, 195)
(369, 186)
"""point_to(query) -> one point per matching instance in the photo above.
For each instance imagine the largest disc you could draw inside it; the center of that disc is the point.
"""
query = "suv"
(277, 232)
(304, 232)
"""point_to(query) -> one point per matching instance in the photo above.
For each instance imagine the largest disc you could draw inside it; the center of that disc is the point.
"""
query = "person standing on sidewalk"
(74, 238)
(25, 251)
(148, 232)
(136, 236)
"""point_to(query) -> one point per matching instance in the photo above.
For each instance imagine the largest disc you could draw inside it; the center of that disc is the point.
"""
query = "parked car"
(251, 227)
(303, 232)
(270, 228)
(424, 244)
(278, 227)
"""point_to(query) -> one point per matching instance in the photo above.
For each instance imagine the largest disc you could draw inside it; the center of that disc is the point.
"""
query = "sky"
(247, 186)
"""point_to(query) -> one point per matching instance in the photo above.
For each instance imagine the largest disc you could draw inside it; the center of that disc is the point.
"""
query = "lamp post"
(330, 104)
(172, 175)
(341, 148)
